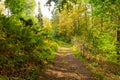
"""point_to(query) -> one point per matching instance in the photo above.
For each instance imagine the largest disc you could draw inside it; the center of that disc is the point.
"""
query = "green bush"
(54, 46)
(20, 44)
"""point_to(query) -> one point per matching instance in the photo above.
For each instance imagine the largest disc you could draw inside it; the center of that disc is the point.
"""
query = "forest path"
(67, 67)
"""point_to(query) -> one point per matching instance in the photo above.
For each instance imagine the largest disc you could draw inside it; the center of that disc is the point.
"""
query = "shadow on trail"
(67, 67)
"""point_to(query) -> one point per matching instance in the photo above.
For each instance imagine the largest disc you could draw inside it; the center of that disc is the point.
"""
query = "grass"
(77, 54)
(63, 44)
(90, 66)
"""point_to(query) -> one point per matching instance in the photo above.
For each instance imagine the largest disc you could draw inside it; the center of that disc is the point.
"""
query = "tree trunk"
(118, 37)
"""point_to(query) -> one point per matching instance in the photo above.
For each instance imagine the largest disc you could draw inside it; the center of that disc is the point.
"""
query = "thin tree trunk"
(118, 37)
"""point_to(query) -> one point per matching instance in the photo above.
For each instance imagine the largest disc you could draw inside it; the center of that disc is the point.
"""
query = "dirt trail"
(67, 67)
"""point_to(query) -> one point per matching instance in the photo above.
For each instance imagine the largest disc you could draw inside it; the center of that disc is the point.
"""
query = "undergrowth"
(90, 66)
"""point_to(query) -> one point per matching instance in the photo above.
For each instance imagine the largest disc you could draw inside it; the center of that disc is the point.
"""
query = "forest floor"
(67, 67)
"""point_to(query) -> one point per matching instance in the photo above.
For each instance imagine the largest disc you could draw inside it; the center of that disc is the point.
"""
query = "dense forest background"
(28, 42)
(91, 25)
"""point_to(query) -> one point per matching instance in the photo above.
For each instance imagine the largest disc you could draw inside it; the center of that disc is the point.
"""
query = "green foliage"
(77, 54)
(15, 6)
(34, 74)
(91, 25)
(54, 46)
(3, 78)
(104, 41)
(24, 45)
(20, 7)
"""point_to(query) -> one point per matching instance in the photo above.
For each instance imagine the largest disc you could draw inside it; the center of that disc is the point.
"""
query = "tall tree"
(40, 15)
